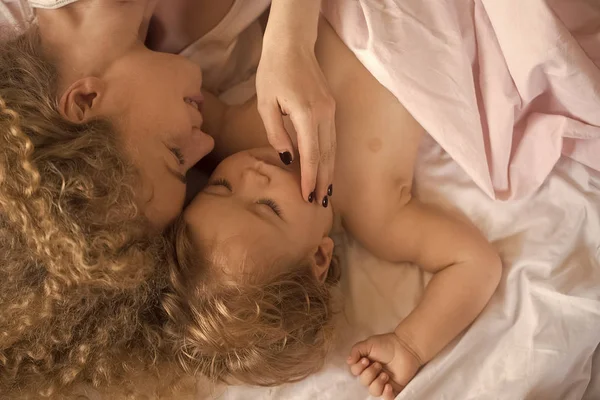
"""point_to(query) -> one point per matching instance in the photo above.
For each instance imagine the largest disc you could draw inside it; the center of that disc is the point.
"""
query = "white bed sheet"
(537, 337)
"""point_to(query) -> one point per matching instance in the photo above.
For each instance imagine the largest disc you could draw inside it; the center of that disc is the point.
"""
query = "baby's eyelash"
(222, 182)
(271, 204)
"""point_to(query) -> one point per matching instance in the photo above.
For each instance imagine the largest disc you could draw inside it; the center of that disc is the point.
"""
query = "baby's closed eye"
(221, 182)
(272, 204)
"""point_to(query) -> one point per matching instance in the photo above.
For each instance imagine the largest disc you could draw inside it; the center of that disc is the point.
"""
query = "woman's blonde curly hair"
(80, 278)
(264, 332)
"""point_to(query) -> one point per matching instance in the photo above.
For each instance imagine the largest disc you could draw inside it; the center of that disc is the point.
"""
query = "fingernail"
(383, 377)
(330, 190)
(311, 197)
(364, 361)
(286, 157)
(325, 201)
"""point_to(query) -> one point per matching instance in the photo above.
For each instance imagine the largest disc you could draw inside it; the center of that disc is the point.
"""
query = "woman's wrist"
(293, 22)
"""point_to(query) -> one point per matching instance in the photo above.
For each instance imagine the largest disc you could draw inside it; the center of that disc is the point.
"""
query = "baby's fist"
(384, 364)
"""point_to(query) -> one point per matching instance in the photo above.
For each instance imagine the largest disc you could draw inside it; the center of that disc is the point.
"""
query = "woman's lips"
(198, 101)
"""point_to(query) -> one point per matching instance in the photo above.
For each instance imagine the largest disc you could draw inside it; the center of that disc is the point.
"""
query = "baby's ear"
(322, 259)
(80, 102)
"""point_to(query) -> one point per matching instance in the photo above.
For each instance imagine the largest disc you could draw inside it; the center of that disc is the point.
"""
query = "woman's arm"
(289, 81)
(293, 22)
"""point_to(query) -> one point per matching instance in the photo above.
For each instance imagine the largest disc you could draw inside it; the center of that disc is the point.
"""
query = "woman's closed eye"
(265, 201)
(177, 172)
(178, 155)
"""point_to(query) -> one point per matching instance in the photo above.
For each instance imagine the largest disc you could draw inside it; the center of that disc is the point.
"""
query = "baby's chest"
(378, 142)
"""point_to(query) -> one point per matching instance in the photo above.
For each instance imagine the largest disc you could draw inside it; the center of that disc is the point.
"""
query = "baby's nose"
(255, 177)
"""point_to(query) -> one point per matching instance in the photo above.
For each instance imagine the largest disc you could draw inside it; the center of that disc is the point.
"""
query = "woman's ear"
(322, 259)
(80, 102)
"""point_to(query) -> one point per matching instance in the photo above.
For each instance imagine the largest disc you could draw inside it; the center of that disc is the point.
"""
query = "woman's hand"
(289, 81)
(384, 363)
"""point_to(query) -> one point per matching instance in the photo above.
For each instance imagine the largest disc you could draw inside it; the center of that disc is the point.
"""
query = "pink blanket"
(504, 86)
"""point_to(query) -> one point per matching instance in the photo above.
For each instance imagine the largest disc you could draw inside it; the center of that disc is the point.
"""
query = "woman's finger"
(326, 160)
(308, 147)
(332, 153)
(277, 135)
(376, 387)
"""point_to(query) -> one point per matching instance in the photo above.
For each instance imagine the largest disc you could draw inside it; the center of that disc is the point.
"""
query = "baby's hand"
(384, 364)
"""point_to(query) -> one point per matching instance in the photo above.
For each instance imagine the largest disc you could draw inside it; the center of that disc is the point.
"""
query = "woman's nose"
(199, 146)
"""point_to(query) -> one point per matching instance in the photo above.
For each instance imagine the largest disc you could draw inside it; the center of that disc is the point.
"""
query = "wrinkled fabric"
(504, 86)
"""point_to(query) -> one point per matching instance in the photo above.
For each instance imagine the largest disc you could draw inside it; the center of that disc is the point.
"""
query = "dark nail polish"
(311, 197)
(330, 190)
(325, 201)
(286, 157)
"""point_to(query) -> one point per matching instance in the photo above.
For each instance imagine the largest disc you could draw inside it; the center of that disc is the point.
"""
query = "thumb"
(277, 135)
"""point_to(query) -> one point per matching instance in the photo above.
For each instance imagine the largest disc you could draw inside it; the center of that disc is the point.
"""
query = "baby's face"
(253, 210)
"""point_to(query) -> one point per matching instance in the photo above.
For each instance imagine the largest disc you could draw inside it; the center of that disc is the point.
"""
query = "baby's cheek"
(306, 238)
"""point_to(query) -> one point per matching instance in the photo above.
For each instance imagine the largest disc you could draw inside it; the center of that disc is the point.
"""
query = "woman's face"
(253, 210)
(155, 101)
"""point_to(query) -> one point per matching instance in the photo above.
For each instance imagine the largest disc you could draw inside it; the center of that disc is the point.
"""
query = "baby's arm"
(234, 128)
(466, 271)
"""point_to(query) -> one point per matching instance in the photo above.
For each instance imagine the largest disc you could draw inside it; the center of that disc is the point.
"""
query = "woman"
(97, 134)
(289, 80)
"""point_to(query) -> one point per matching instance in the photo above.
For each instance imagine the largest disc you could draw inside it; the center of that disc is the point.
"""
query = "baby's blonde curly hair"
(80, 278)
(263, 332)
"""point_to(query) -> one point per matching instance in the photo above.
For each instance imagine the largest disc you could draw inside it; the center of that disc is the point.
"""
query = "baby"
(255, 259)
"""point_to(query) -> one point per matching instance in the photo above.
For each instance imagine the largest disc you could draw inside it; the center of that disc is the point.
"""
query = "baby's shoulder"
(375, 203)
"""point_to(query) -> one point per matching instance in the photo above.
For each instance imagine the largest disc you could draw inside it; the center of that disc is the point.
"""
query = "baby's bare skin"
(377, 143)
